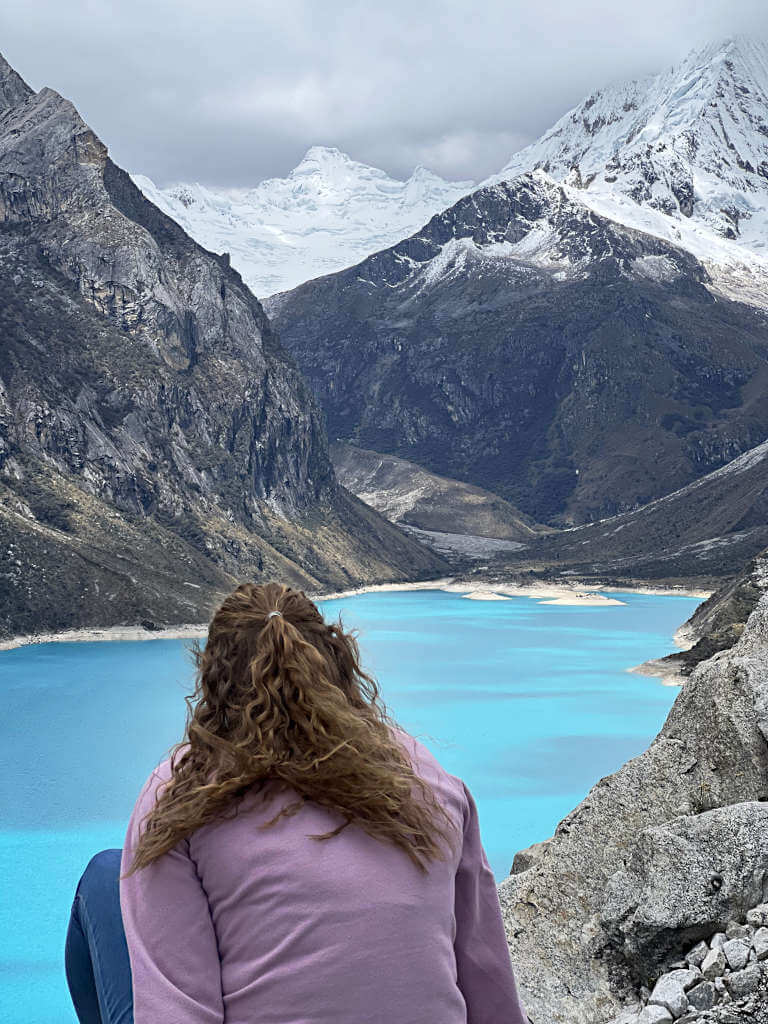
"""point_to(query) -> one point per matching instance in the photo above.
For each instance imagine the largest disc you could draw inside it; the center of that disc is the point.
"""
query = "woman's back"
(239, 924)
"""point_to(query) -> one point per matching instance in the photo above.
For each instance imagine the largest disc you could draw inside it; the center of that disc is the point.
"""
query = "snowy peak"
(528, 233)
(329, 213)
(690, 143)
(682, 155)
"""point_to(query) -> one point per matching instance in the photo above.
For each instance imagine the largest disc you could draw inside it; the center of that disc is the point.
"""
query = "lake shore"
(545, 593)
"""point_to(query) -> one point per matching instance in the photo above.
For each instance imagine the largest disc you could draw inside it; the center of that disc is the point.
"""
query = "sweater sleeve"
(484, 969)
(175, 967)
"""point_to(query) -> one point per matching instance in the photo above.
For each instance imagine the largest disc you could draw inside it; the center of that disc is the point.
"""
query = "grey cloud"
(231, 92)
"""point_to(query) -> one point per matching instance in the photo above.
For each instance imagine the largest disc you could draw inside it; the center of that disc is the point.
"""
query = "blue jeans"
(95, 953)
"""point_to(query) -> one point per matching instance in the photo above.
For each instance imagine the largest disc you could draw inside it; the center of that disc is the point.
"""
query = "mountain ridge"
(148, 413)
(508, 343)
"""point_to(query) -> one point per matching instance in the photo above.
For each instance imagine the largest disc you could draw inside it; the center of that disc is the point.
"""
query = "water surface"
(530, 704)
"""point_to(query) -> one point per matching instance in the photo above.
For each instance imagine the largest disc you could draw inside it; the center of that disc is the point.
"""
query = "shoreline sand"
(546, 593)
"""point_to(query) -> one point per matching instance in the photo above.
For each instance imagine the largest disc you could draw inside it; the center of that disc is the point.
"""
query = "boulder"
(760, 943)
(689, 876)
(696, 955)
(669, 994)
(655, 1015)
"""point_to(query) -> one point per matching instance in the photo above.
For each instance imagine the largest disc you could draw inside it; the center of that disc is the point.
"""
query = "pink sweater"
(246, 927)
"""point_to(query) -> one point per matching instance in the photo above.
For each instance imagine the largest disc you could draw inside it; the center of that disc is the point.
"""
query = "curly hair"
(283, 697)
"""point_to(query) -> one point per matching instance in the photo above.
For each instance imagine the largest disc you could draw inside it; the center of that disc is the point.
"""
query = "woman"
(299, 859)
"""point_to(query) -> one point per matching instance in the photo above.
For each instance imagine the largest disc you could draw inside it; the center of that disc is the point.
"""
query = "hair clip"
(274, 613)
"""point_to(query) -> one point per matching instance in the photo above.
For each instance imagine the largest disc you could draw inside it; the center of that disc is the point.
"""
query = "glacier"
(329, 213)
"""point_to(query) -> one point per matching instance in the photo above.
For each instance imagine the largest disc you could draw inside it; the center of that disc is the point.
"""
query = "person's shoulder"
(158, 777)
(423, 757)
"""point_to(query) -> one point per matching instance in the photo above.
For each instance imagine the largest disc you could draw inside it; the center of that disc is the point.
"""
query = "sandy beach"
(544, 593)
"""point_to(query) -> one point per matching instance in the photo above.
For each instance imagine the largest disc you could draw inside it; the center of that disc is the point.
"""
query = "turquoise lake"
(530, 704)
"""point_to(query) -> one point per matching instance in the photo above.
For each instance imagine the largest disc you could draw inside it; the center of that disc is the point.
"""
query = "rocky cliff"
(650, 901)
(523, 343)
(719, 621)
(156, 441)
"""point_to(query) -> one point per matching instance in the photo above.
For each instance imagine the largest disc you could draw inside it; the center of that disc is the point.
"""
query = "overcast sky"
(230, 92)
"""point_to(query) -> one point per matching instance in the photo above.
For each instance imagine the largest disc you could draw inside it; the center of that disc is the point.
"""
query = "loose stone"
(718, 940)
(760, 942)
(714, 963)
(697, 954)
(758, 916)
(655, 1015)
(703, 996)
(685, 977)
(742, 983)
(669, 992)
(736, 953)
(739, 931)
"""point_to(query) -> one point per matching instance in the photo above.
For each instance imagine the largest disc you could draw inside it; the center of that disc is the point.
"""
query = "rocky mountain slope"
(156, 441)
(690, 143)
(702, 532)
(649, 903)
(330, 212)
(410, 495)
(525, 344)
(719, 621)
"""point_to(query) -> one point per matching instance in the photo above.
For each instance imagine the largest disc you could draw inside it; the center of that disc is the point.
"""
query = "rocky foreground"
(650, 902)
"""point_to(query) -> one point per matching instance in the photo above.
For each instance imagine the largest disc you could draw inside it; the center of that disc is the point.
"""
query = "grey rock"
(525, 859)
(743, 983)
(696, 955)
(758, 916)
(736, 953)
(703, 996)
(669, 992)
(714, 963)
(735, 930)
(719, 717)
(760, 943)
(689, 873)
(655, 1015)
(684, 976)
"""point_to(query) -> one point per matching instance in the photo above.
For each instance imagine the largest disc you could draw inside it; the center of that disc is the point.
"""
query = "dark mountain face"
(525, 344)
(145, 402)
(704, 532)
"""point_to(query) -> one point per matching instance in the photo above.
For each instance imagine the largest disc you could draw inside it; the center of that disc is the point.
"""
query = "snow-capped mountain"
(329, 213)
(523, 343)
(683, 154)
